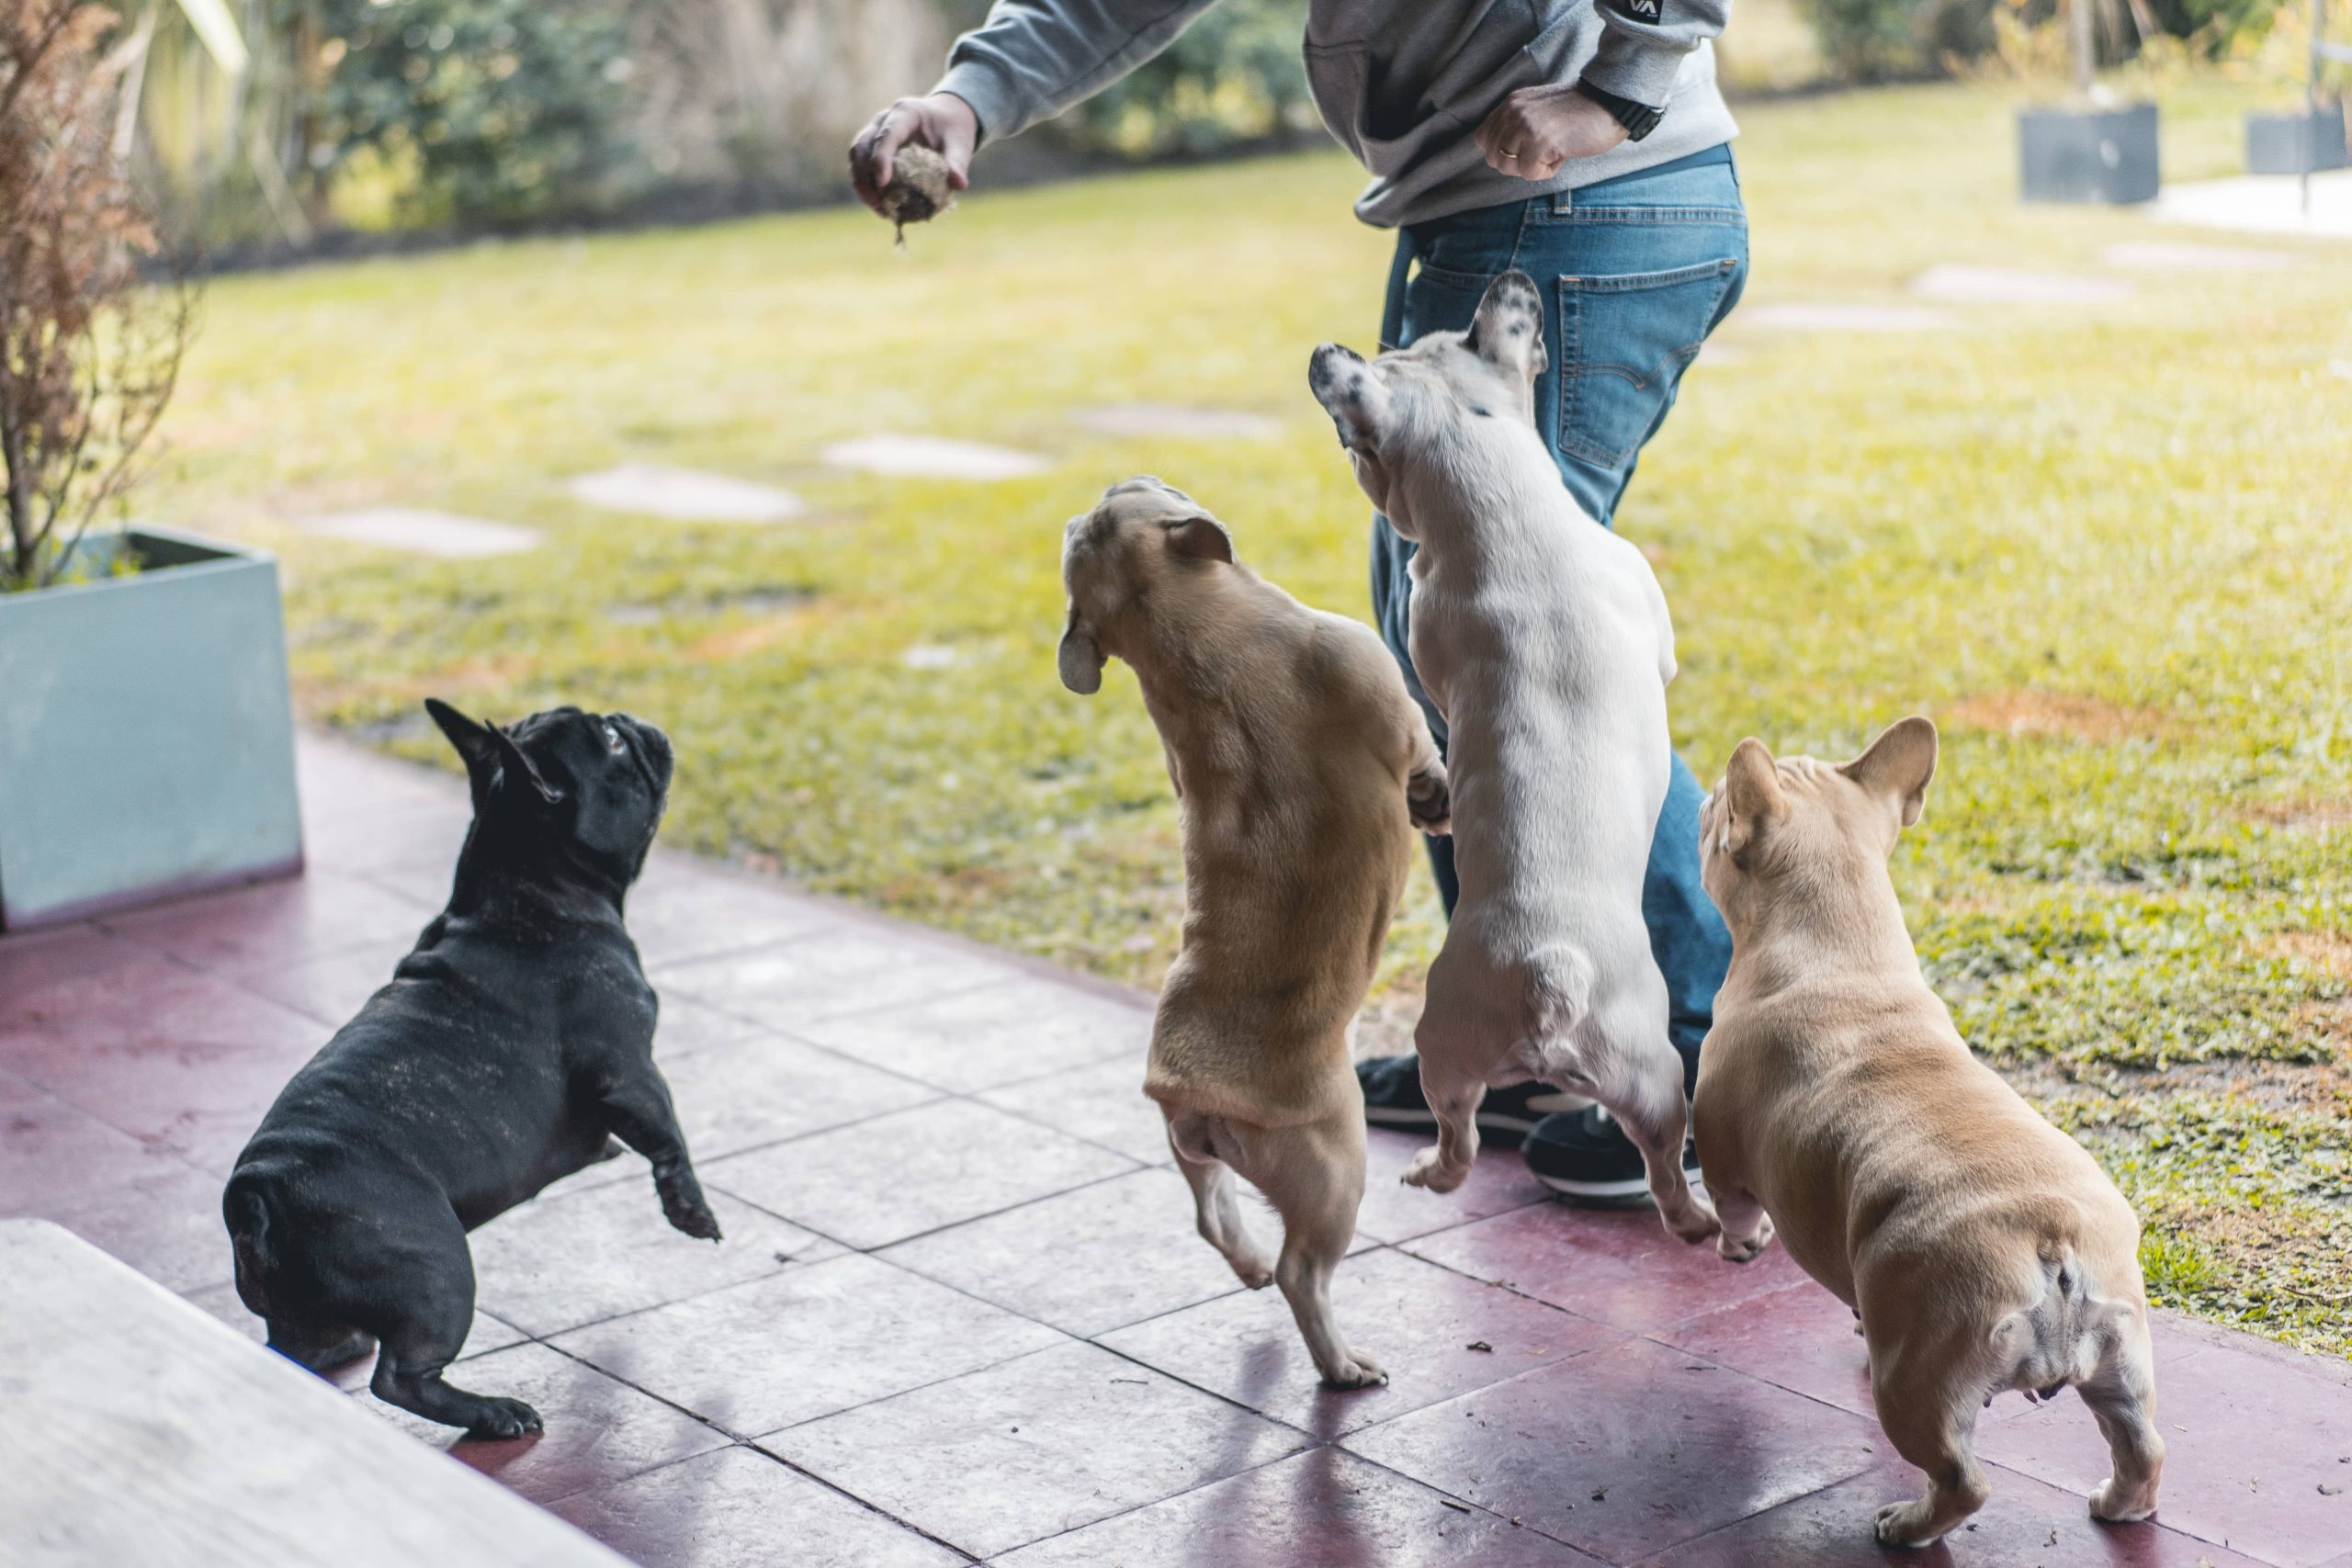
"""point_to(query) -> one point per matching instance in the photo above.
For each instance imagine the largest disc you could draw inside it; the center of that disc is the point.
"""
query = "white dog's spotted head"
(1142, 541)
(1410, 399)
(1775, 822)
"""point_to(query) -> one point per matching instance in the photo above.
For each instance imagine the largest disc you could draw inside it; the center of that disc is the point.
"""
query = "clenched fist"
(1536, 129)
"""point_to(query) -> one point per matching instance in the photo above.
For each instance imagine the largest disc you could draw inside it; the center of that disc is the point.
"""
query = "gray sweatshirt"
(1403, 84)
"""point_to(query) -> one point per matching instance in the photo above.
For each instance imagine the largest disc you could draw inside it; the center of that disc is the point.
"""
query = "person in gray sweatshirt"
(1582, 142)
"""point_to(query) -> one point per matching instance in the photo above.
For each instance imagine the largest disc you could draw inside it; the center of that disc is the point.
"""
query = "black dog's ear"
(476, 744)
(488, 752)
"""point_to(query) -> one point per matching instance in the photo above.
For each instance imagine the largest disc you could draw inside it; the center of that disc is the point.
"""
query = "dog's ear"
(1201, 537)
(1352, 394)
(1508, 332)
(1080, 658)
(1753, 804)
(1896, 768)
(489, 752)
(476, 743)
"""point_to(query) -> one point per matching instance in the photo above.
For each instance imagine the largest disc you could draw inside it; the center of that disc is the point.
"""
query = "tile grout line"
(734, 1441)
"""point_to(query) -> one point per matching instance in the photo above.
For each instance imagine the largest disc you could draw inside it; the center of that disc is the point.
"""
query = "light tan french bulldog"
(1302, 768)
(1982, 1249)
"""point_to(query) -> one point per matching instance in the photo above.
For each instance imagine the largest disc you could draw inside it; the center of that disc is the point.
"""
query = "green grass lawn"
(2106, 548)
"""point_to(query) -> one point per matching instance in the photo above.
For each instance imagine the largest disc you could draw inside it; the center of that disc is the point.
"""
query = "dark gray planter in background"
(2106, 155)
(146, 739)
(2300, 143)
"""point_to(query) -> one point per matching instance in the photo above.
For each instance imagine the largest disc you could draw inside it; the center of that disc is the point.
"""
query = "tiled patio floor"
(960, 1312)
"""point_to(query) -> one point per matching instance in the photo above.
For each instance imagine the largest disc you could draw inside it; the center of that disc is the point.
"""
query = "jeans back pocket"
(1625, 341)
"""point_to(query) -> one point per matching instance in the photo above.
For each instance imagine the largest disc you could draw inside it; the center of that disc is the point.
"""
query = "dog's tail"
(2056, 1339)
(1561, 979)
(247, 1215)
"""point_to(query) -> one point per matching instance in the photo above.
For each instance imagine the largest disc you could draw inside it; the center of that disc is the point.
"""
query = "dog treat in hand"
(919, 190)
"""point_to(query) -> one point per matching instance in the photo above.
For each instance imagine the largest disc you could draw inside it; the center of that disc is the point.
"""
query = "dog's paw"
(1747, 1248)
(1693, 1224)
(1256, 1273)
(1428, 1170)
(691, 1216)
(1359, 1371)
(2110, 1502)
(501, 1420)
(1429, 802)
(1904, 1526)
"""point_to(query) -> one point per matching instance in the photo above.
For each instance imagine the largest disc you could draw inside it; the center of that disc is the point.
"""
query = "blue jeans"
(1635, 273)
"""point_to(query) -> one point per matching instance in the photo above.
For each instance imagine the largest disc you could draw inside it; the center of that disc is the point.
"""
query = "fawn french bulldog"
(1982, 1249)
(1302, 767)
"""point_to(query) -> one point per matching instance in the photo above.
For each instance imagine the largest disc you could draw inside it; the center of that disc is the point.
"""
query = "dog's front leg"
(638, 1112)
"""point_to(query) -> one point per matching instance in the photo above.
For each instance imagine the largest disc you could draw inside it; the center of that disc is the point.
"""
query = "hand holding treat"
(920, 188)
(911, 161)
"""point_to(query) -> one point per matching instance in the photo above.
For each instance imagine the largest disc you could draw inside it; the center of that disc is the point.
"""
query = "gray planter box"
(2301, 144)
(2088, 154)
(146, 739)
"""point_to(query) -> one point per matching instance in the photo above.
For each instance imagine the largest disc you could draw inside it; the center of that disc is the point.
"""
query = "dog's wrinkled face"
(1144, 537)
(1774, 818)
(1410, 399)
(595, 783)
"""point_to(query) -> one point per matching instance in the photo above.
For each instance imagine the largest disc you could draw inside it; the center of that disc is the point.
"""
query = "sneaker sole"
(1632, 1186)
(1620, 1191)
(1499, 1126)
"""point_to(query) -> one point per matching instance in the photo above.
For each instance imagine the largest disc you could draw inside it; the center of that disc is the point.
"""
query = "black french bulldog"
(515, 1042)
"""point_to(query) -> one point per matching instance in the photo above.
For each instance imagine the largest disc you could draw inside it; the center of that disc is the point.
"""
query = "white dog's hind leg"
(1217, 1199)
(1639, 1080)
(2122, 1395)
(1454, 1097)
(1314, 1176)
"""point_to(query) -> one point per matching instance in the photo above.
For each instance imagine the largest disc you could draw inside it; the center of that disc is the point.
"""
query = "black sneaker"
(1391, 1097)
(1586, 1157)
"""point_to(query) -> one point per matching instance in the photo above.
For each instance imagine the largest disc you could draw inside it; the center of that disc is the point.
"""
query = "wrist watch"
(1639, 119)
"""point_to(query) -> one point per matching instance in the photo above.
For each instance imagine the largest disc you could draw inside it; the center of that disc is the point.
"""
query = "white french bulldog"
(1544, 641)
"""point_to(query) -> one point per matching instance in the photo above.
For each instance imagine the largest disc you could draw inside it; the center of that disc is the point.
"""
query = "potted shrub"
(146, 740)
(2091, 147)
(2310, 137)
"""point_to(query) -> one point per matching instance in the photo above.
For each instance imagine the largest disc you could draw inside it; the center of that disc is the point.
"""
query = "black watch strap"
(1639, 119)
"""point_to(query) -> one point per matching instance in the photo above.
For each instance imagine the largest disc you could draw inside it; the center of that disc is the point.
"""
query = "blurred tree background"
(364, 117)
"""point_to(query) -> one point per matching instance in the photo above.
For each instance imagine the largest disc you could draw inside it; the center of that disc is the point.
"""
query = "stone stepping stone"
(687, 495)
(2014, 286)
(1832, 318)
(933, 457)
(2264, 204)
(423, 532)
(2340, 367)
(1177, 419)
(2174, 255)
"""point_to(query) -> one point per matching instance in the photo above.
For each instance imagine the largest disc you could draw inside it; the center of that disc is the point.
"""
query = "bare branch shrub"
(89, 347)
